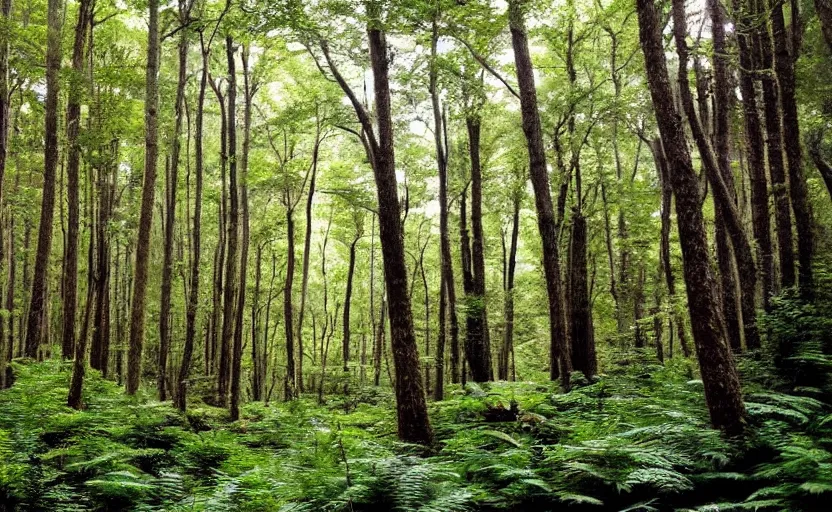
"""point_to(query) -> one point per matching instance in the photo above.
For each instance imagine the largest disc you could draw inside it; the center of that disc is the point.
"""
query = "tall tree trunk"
(288, 323)
(237, 352)
(5, 97)
(171, 182)
(785, 55)
(232, 235)
(100, 350)
(447, 267)
(347, 304)
(824, 10)
(719, 375)
(559, 359)
(583, 341)
(307, 240)
(724, 202)
(413, 422)
(508, 289)
(477, 346)
(196, 249)
(774, 145)
(79, 366)
(720, 137)
(37, 301)
(73, 121)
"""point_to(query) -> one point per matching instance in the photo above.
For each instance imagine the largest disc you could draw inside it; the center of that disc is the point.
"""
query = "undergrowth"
(637, 439)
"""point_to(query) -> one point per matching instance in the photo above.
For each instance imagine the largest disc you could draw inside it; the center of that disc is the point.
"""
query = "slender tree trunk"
(478, 346)
(559, 359)
(37, 303)
(347, 304)
(79, 366)
(288, 323)
(196, 249)
(232, 235)
(447, 285)
(823, 8)
(5, 98)
(785, 55)
(100, 350)
(137, 313)
(824, 167)
(237, 352)
(508, 313)
(439, 364)
(774, 145)
(171, 182)
(307, 240)
(73, 121)
(719, 375)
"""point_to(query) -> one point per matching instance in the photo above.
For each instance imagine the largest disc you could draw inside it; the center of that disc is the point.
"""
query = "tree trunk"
(232, 235)
(413, 422)
(5, 99)
(79, 366)
(774, 145)
(583, 342)
(719, 375)
(196, 249)
(137, 313)
(171, 183)
(288, 323)
(237, 350)
(559, 354)
(37, 301)
(824, 10)
(448, 284)
(477, 346)
(307, 240)
(347, 304)
(724, 198)
(785, 55)
(824, 167)
(100, 350)
(508, 314)
(73, 121)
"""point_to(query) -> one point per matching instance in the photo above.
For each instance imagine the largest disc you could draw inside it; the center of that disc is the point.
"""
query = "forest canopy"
(415, 255)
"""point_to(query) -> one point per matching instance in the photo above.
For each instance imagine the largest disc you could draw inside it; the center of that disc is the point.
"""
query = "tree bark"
(232, 235)
(447, 285)
(774, 145)
(477, 346)
(824, 10)
(345, 324)
(171, 183)
(73, 121)
(724, 202)
(237, 349)
(559, 352)
(37, 302)
(196, 248)
(288, 323)
(307, 240)
(508, 310)
(785, 55)
(719, 375)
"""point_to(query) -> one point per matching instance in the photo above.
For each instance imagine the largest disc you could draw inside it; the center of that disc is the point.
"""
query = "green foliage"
(636, 439)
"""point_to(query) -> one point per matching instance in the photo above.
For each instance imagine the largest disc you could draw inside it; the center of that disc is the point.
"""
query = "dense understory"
(636, 439)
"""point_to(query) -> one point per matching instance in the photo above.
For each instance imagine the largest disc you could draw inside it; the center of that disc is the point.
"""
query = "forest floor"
(636, 440)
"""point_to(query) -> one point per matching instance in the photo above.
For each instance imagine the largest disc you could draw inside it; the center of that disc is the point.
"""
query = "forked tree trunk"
(774, 144)
(785, 55)
(724, 200)
(719, 375)
(559, 351)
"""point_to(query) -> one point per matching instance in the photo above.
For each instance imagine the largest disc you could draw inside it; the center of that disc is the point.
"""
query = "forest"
(415, 255)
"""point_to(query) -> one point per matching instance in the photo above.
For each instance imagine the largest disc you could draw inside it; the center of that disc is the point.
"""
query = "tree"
(37, 301)
(138, 310)
(719, 375)
(560, 362)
